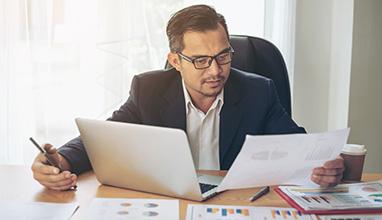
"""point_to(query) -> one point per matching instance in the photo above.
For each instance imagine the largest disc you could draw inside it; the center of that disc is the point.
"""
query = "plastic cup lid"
(354, 149)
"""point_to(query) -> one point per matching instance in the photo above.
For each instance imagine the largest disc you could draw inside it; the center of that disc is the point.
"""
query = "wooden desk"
(17, 184)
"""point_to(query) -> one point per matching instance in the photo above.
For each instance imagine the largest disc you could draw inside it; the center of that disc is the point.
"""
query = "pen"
(264, 190)
(51, 160)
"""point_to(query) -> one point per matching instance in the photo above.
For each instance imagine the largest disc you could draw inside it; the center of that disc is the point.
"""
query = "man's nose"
(215, 68)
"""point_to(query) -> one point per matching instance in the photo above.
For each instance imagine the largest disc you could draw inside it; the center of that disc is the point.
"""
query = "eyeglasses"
(203, 62)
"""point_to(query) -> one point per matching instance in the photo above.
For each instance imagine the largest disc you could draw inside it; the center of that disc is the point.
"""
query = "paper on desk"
(118, 208)
(219, 212)
(365, 195)
(36, 210)
(351, 217)
(282, 159)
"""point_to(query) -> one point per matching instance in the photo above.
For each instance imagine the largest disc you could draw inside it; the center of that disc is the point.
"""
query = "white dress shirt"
(203, 132)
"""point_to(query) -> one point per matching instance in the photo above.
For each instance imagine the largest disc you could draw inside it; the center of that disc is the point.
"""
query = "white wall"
(322, 66)
(365, 112)
(312, 65)
(338, 79)
(340, 63)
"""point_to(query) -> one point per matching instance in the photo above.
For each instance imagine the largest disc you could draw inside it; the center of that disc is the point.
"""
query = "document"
(351, 217)
(365, 197)
(219, 212)
(267, 160)
(36, 210)
(129, 209)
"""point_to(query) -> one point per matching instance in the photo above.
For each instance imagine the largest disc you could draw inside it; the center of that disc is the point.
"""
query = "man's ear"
(174, 60)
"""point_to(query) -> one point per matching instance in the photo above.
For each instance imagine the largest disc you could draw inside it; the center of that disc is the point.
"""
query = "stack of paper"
(345, 199)
(351, 217)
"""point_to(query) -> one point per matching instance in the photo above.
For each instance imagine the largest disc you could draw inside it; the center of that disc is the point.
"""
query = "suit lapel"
(230, 116)
(173, 110)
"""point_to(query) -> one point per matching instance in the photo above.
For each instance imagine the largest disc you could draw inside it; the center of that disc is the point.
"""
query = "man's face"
(208, 82)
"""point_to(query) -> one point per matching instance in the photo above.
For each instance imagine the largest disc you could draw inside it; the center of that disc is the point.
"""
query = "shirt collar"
(219, 101)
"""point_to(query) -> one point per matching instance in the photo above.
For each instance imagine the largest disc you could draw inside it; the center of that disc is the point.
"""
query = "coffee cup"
(354, 157)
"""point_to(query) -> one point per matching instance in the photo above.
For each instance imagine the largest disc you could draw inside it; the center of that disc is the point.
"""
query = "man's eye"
(223, 57)
(202, 60)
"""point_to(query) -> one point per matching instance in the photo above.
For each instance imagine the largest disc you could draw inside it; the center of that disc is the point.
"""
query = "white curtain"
(15, 81)
(62, 59)
(279, 28)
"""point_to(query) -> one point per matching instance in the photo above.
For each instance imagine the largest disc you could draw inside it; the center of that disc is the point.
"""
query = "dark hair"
(193, 18)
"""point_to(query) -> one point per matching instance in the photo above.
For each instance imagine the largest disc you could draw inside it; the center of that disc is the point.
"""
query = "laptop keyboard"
(205, 187)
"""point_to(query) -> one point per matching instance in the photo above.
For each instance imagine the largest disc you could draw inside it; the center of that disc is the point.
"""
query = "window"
(62, 59)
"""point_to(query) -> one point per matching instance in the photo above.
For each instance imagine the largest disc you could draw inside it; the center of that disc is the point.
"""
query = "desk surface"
(17, 184)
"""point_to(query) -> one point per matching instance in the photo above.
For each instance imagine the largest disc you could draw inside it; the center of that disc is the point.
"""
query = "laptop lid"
(141, 157)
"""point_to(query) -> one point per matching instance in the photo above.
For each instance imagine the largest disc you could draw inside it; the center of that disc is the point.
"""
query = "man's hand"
(330, 174)
(50, 176)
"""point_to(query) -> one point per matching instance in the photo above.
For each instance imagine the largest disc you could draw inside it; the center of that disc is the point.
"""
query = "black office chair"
(256, 55)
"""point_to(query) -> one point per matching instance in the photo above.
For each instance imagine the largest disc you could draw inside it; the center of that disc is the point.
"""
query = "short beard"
(210, 94)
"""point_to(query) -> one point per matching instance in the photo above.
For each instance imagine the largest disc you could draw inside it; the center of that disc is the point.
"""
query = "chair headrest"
(260, 56)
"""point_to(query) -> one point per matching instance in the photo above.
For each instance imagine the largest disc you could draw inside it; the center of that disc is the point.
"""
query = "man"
(215, 104)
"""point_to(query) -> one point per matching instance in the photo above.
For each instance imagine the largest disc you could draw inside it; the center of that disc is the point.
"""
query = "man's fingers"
(52, 178)
(41, 158)
(328, 172)
(63, 184)
(66, 182)
(329, 179)
(73, 177)
(57, 178)
(334, 164)
(326, 181)
(39, 167)
(49, 148)
(60, 188)
(41, 177)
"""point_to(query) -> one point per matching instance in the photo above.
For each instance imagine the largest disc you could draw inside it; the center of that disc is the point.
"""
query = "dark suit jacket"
(251, 106)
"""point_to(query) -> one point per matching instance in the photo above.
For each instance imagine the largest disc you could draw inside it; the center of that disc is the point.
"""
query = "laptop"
(145, 158)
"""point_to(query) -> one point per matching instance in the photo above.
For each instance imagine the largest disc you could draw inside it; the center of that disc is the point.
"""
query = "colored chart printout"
(217, 212)
(134, 209)
(367, 195)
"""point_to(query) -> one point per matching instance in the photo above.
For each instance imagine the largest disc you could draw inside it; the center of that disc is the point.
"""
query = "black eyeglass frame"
(211, 58)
